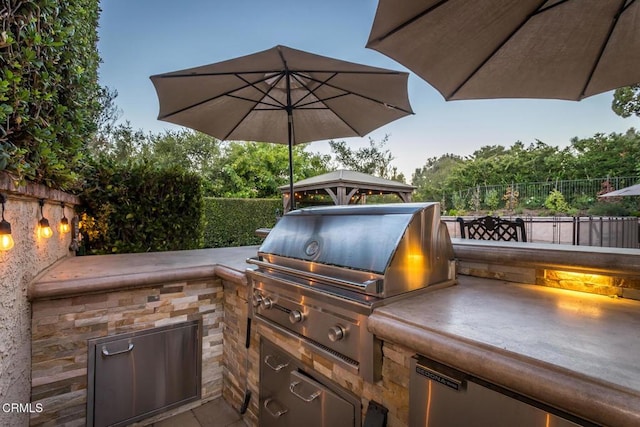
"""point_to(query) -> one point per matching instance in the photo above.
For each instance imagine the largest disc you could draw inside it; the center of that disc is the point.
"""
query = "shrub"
(510, 198)
(233, 222)
(475, 199)
(138, 207)
(533, 202)
(491, 199)
(583, 201)
(556, 203)
(459, 203)
(608, 209)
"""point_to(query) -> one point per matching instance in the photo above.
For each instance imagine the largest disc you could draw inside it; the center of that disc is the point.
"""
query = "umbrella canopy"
(282, 95)
(633, 190)
(474, 49)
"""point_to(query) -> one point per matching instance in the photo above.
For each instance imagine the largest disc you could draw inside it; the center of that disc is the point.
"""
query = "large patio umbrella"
(473, 49)
(283, 95)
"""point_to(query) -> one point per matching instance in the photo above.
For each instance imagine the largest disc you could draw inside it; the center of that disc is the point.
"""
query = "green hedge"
(49, 92)
(233, 222)
(138, 207)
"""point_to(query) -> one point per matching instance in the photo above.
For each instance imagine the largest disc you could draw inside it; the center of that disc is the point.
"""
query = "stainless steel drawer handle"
(279, 411)
(105, 352)
(277, 367)
(310, 398)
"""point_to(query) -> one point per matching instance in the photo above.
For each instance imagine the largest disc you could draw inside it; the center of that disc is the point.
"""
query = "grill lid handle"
(373, 286)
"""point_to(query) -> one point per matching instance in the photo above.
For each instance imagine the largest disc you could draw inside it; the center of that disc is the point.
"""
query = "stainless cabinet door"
(137, 375)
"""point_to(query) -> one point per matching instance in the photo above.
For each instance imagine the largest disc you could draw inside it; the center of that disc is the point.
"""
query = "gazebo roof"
(346, 187)
(342, 178)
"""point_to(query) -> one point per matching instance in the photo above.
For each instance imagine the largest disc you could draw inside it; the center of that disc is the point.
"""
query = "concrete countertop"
(573, 350)
(101, 273)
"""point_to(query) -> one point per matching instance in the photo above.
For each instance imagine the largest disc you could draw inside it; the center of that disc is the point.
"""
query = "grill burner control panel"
(311, 319)
(262, 301)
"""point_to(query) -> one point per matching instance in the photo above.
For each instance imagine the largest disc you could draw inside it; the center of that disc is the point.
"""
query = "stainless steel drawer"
(291, 395)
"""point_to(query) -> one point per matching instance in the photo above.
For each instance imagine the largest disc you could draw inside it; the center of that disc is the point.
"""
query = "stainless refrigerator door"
(440, 396)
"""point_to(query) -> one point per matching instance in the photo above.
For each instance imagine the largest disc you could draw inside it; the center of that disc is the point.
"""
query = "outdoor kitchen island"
(571, 350)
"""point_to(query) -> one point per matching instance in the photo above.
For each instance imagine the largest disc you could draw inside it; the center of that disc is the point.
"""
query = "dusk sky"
(140, 38)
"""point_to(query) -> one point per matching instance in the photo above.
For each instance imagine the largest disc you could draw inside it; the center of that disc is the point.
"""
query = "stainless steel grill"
(321, 272)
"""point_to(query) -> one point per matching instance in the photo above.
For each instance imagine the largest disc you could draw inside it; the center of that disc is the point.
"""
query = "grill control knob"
(256, 300)
(296, 316)
(336, 333)
(266, 303)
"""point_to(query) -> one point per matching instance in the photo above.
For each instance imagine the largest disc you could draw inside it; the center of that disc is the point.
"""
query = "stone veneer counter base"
(569, 349)
(97, 296)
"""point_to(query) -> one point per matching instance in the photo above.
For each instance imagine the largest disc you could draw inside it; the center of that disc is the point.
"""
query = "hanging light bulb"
(43, 224)
(6, 241)
(64, 222)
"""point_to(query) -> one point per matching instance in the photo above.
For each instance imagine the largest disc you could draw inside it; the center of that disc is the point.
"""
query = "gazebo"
(344, 187)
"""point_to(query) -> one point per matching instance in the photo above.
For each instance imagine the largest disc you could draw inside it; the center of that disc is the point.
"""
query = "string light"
(43, 225)
(6, 241)
(64, 222)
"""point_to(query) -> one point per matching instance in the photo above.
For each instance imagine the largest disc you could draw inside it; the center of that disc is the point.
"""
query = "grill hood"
(382, 250)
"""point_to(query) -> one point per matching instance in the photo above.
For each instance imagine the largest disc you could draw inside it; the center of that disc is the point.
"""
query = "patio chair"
(493, 228)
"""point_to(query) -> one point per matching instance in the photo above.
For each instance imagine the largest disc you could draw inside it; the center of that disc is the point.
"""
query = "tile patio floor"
(217, 413)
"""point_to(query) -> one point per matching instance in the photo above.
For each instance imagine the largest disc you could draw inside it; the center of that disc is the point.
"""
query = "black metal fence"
(536, 192)
(615, 232)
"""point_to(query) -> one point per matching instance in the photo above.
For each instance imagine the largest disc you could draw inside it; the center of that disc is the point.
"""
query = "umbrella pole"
(292, 196)
(292, 204)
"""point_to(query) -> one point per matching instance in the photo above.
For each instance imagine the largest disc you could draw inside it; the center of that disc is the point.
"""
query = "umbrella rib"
(382, 72)
(228, 93)
(277, 106)
(267, 94)
(309, 90)
(488, 57)
(623, 7)
(225, 73)
(348, 92)
(408, 22)
(322, 83)
(254, 106)
(321, 100)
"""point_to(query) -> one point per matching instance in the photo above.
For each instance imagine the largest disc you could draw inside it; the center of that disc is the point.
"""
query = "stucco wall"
(30, 255)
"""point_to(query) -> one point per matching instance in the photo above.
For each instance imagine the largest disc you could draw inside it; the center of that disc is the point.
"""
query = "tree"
(119, 142)
(430, 180)
(372, 160)
(489, 151)
(626, 101)
(607, 155)
(191, 150)
(257, 169)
